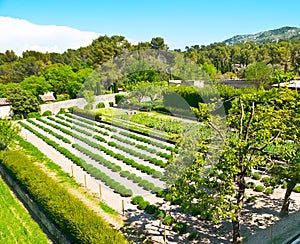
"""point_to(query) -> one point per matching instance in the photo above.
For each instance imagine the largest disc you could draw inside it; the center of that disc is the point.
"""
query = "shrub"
(151, 209)
(168, 220)
(284, 185)
(180, 227)
(256, 176)
(137, 199)
(62, 111)
(111, 104)
(160, 214)
(196, 211)
(297, 189)
(194, 236)
(101, 105)
(259, 188)
(88, 106)
(143, 205)
(47, 113)
(119, 97)
(269, 190)
(250, 184)
(33, 115)
(251, 199)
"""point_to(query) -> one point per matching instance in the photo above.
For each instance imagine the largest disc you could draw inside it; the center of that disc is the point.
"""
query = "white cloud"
(20, 35)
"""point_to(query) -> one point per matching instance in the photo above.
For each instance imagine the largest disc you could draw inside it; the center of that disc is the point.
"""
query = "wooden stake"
(165, 235)
(100, 191)
(85, 180)
(123, 207)
(72, 171)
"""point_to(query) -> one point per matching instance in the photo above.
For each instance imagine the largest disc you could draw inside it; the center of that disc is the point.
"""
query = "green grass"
(108, 209)
(16, 224)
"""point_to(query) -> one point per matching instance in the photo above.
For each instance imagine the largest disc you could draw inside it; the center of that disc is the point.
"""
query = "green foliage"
(259, 188)
(151, 209)
(137, 199)
(119, 98)
(259, 73)
(160, 214)
(34, 115)
(21, 225)
(269, 191)
(256, 176)
(194, 236)
(111, 104)
(69, 213)
(88, 106)
(47, 113)
(143, 205)
(8, 132)
(180, 227)
(101, 105)
(279, 76)
(168, 220)
(297, 189)
(22, 102)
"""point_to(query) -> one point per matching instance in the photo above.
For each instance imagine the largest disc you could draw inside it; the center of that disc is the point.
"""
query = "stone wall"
(4, 111)
(79, 102)
(36, 212)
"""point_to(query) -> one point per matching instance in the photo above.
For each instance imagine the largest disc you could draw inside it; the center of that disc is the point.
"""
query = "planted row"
(51, 132)
(142, 147)
(147, 140)
(96, 173)
(91, 122)
(138, 154)
(149, 186)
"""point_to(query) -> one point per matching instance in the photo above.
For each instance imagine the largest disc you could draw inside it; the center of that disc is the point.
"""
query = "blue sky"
(180, 23)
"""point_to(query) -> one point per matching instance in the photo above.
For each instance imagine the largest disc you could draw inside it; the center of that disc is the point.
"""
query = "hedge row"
(51, 132)
(146, 140)
(70, 214)
(96, 173)
(88, 121)
(116, 168)
(142, 147)
(60, 122)
(137, 154)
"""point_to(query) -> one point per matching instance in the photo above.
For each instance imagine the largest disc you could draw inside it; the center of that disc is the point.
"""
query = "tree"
(158, 43)
(285, 156)
(37, 85)
(259, 73)
(215, 181)
(279, 76)
(8, 131)
(22, 102)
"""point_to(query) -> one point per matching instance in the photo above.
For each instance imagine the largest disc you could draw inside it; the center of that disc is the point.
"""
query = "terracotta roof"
(4, 101)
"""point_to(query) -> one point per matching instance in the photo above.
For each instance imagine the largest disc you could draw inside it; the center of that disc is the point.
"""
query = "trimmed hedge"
(71, 215)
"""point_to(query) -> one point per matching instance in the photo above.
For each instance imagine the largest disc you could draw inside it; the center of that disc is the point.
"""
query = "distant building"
(48, 97)
(197, 83)
(4, 102)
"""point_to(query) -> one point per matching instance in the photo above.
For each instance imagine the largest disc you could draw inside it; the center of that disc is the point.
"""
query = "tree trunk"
(286, 201)
(239, 200)
(236, 228)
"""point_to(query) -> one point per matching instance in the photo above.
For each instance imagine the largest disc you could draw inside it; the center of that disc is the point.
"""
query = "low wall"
(36, 212)
(4, 111)
(79, 102)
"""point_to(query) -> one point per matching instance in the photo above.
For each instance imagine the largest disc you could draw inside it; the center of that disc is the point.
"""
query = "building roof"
(4, 102)
(293, 84)
(48, 97)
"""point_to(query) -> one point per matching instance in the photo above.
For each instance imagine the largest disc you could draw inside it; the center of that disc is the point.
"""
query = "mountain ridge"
(275, 35)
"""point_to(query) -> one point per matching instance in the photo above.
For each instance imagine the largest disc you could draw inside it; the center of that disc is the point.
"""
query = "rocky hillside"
(284, 33)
